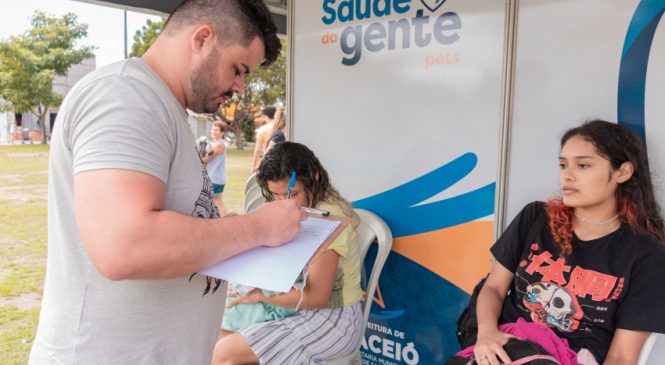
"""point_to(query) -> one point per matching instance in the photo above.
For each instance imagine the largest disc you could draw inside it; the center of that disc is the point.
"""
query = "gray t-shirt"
(123, 116)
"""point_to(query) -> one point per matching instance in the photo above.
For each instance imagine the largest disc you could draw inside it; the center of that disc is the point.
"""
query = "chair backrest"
(372, 228)
(646, 350)
(250, 182)
(256, 202)
(253, 196)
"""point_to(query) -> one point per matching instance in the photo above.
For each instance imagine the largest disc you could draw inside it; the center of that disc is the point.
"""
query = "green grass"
(23, 237)
(39, 178)
(238, 169)
(23, 179)
(20, 279)
(19, 159)
(24, 221)
(17, 331)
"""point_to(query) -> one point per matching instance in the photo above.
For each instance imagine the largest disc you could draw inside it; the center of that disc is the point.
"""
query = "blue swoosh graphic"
(423, 306)
(398, 208)
(645, 13)
(634, 63)
(386, 314)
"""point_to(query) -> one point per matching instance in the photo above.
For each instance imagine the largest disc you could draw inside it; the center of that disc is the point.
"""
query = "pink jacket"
(542, 335)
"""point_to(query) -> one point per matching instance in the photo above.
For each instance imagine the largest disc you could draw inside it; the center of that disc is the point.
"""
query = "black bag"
(467, 323)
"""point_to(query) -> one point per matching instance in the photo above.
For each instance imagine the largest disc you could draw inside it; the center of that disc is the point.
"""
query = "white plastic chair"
(646, 350)
(251, 196)
(372, 228)
(256, 202)
(251, 181)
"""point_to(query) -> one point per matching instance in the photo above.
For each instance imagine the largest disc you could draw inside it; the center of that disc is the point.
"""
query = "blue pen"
(292, 183)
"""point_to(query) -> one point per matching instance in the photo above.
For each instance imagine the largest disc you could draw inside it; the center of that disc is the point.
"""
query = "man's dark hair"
(234, 21)
(269, 111)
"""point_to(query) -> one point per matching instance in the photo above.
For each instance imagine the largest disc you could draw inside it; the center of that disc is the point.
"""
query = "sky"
(105, 24)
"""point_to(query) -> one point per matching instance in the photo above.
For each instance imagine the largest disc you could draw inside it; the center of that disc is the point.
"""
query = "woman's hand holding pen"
(289, 190)
(320, 212)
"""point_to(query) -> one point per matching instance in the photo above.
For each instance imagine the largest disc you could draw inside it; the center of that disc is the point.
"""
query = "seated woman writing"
(592, 275)
(328, 317)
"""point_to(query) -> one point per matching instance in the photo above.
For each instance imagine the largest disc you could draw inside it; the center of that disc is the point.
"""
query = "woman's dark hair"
(286, 157)
(637, 204)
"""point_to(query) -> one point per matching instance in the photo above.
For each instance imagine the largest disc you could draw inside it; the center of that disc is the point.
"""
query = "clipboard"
(277, 268)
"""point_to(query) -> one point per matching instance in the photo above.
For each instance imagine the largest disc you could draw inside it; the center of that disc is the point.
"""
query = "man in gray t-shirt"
(130, 209)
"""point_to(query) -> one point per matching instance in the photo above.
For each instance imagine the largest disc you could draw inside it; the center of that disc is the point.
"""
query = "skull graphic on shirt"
(553, 305)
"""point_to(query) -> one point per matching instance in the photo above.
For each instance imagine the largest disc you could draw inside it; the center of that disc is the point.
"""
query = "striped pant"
(311, 336)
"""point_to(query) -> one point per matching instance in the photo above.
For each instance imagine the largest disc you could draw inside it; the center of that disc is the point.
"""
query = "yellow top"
(346, 288)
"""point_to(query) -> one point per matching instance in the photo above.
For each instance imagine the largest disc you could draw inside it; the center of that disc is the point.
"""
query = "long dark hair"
(286, 157)
(635, 198)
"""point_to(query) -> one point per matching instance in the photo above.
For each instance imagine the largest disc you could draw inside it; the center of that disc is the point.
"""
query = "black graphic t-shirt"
(616, 281)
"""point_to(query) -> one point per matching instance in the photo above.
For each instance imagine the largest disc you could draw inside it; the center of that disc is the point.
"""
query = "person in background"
(216, 164)
(12, 132)
(329, 315)
(277, 135)
(263, 134)
(130, 210)
(593, 274)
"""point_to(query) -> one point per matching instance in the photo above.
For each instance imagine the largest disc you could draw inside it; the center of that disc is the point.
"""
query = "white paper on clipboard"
(275, 268)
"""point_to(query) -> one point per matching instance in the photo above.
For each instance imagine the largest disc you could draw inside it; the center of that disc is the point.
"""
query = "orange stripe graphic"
(460, 254)
(378, 298)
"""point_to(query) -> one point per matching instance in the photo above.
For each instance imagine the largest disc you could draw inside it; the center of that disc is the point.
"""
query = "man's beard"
(203, 79)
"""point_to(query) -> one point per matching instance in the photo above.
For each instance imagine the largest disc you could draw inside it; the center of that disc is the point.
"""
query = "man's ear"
(625, 172)
(202, 37)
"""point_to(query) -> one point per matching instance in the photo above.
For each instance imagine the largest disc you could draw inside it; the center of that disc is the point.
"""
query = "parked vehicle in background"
(25, 135)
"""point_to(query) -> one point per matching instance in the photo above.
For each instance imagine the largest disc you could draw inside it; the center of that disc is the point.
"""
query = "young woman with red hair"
(595, 271)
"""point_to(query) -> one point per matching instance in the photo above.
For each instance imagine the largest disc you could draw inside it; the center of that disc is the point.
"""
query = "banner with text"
(401, 101)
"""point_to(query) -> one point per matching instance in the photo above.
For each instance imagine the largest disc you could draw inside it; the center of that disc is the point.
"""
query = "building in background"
(61, 85)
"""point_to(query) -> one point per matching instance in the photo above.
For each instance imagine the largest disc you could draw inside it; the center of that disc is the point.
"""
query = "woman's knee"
(233, 349)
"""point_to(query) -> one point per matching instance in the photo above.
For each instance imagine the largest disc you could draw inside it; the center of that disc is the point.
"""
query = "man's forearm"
(166, 244)
(129, 235)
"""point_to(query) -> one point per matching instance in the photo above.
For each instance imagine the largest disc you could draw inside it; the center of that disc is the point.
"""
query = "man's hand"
(280, 221)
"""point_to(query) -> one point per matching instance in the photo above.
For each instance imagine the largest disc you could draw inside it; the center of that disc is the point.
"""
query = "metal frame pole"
(506, 117)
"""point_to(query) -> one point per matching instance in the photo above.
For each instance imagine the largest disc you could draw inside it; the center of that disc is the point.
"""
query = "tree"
(264, 86)
(267, 85)
(29, 62)
(144, 38)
